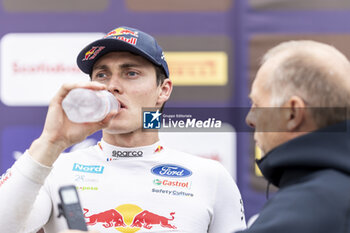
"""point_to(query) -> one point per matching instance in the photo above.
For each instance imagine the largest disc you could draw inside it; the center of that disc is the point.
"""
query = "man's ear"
(164, 91)
(295, 113)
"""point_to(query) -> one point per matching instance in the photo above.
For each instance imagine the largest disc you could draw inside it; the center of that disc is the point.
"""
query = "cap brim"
(110, 45)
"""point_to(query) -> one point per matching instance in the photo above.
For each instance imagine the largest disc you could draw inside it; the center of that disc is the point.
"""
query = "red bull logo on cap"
(124, 34)
(92, 53)
(121, 32)
(129, 218)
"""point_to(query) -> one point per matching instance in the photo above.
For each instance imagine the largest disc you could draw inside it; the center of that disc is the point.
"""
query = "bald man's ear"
(295, 113)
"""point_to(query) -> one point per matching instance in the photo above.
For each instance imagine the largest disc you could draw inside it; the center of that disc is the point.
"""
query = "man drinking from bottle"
(130, 181)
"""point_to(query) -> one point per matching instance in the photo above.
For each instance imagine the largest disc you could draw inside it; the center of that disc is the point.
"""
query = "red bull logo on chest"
(129, 218)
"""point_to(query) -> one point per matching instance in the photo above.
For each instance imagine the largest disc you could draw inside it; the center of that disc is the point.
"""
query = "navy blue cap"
(123, 39)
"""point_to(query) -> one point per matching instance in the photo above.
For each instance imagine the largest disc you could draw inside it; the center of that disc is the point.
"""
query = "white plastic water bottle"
(85, 105)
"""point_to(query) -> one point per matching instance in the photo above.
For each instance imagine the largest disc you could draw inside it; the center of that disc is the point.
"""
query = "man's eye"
(101, 75)
(132, 73)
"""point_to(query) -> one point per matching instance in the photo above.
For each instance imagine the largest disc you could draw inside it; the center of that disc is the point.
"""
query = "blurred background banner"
(213, 49)
(36, 65)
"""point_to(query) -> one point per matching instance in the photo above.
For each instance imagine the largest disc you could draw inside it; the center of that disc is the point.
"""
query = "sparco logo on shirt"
(88, 168)
(127, 153)
(170, 170)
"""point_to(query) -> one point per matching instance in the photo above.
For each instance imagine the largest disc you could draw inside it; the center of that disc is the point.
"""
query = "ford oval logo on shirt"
(171, 170)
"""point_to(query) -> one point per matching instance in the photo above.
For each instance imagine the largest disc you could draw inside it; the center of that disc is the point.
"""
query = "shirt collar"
(112, 152)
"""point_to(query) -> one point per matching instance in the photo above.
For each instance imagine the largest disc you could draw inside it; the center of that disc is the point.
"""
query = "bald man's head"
(316, 72)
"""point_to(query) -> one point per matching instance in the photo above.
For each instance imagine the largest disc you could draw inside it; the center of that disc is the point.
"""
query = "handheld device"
(70, 208)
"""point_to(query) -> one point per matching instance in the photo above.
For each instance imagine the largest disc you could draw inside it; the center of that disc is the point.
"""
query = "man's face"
(132, 80)
(266, 119)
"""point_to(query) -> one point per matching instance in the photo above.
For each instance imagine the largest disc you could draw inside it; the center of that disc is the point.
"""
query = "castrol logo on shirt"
(172, 183)
(171, 170)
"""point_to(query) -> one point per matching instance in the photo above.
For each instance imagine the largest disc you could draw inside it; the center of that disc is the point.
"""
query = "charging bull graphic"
(146, 219)
(129, 218)
(109, 218)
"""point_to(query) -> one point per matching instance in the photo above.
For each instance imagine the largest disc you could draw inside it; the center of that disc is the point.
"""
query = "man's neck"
(133, 139)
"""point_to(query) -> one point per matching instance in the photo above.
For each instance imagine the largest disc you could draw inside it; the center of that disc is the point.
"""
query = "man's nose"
(114, 85)
(250, 119)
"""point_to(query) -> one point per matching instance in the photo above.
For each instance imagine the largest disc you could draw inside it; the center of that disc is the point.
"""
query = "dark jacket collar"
(327, 148)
